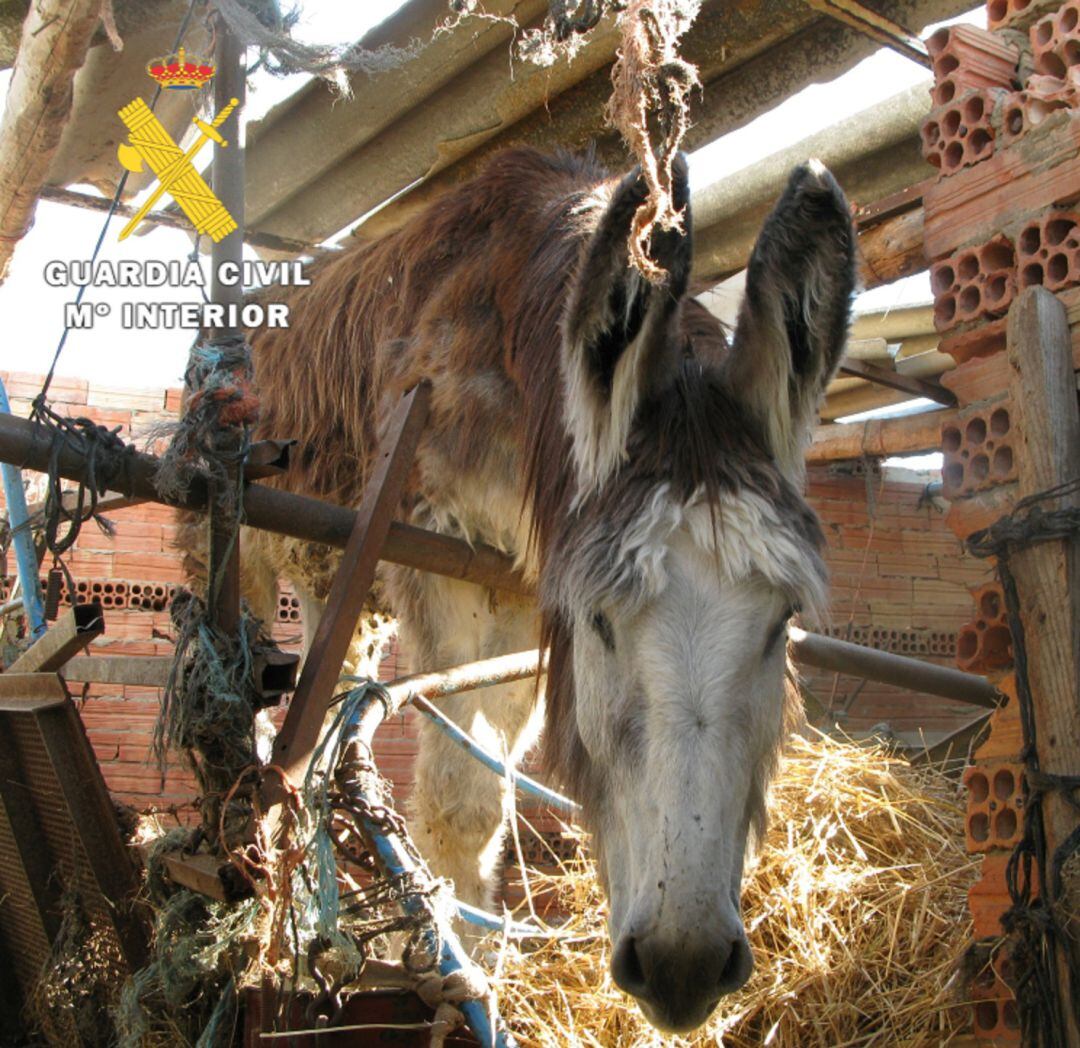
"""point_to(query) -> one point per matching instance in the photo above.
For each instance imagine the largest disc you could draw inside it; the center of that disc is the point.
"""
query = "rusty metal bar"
(71, 633)
(28, 444)
(322, 668)
(827, 653)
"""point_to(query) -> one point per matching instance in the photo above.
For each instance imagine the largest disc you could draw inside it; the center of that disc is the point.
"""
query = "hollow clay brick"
(971, 513)
(974, 283)
(1055, 41)
(1016, 14)
(988, 897)
(996, 797)
(965, 56)
(962, 132)
(978, 450)
(984, 645)
(1010, 188)
(1005, 740)
(1048, 251)
(966, 346)
(1021, 112)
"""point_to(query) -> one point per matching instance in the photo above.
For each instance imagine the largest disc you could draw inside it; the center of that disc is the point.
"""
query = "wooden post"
(1048, 580)
(55, 38)
(352, 583)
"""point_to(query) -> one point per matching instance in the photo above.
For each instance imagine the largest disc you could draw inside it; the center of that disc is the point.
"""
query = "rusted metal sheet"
(58, 832)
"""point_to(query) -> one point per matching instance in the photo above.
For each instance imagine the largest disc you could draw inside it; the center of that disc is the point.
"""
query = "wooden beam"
(900, 203)
(875, 26)
(93, 817)
(1047, 575)
(55, 38)
(208, 875)
(382, 496)
(72, 632)
(917, 387)
(879, 438)
(892, 249)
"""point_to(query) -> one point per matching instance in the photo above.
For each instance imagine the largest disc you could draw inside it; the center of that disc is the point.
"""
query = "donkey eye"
(779, 629)
(602, 627)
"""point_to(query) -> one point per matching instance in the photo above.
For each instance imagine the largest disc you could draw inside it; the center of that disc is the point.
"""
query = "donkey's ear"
(620, 331)
(793, 324)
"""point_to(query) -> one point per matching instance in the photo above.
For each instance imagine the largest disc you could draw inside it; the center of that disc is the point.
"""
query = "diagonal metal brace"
(382, 496)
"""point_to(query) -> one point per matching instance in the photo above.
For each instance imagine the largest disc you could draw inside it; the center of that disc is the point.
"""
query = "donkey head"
(679, 556)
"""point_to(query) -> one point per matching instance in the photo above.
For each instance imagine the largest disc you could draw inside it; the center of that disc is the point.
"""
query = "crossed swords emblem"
(151, 145)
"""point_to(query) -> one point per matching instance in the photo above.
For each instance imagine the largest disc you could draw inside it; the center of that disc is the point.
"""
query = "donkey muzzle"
(679, 979)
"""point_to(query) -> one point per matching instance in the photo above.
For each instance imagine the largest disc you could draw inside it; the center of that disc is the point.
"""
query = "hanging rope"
(650, 108)
(1036, 922)
(651, 89)
(261, 24)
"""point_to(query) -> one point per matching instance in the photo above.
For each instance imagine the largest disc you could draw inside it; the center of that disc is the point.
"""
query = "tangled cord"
(108, 462)
(1034, 920)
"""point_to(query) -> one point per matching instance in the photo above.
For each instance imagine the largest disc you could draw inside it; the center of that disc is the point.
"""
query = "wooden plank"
(917, 387)
(72, 632)
(892, 248)
(879, 438)
(1047, 575)
(900, 203)
(207, 875)
(352, 583)
(877, 27)
(32, 852)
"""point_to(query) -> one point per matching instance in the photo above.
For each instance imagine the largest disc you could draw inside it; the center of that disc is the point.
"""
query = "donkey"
(645, 473)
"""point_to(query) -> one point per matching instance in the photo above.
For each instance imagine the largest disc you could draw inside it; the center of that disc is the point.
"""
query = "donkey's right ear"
(619, 336)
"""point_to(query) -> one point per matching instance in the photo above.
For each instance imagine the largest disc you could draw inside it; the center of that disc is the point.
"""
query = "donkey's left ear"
(793, 324)
(620, 331)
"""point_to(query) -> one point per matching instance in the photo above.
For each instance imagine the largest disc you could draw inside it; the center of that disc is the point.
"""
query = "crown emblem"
(178, 73)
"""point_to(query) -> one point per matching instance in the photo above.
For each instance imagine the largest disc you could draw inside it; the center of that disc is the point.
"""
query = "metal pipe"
(28, 444)
(489, 760)
(394, 855)
(230, 90)
(827, 653)
(25, 555)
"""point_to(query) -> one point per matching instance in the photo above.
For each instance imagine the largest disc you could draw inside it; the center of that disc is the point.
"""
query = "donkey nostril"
(737, 967)
(626, 968)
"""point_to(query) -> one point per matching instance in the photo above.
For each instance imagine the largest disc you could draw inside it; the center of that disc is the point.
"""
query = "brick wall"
(899, 582)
